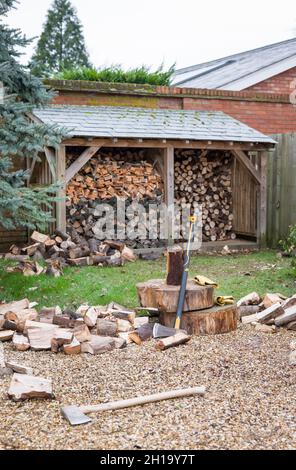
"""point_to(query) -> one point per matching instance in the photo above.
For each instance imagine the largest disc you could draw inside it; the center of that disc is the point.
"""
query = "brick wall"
(269, 113)
(278, 84)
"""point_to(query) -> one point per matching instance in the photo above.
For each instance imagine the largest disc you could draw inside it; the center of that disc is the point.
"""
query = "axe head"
(160, 331)
(74, 415)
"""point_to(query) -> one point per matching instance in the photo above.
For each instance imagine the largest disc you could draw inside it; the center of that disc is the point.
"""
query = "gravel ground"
(249, 404)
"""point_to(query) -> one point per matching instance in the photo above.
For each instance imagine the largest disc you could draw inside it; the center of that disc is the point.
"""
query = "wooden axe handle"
(118, 405)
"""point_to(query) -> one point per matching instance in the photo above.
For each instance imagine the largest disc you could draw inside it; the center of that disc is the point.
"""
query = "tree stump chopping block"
(214, 321)
(157, 294)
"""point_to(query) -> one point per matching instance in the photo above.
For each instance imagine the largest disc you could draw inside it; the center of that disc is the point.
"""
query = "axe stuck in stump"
(78, 415)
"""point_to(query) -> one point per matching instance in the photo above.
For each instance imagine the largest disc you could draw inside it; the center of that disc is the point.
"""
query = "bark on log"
(213, 321)
(173, 341)
(157, 294)
(24, 387)
(175, 266)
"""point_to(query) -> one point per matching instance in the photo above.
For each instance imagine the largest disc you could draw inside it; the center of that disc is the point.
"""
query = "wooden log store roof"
(123, 122)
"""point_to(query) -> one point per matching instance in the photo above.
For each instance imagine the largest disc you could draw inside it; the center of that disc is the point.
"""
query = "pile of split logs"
(91, 330)
(118, 173)
(204, 178)
(268, 314)
(61, 249)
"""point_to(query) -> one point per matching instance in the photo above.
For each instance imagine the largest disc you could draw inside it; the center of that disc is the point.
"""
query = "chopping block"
(158, 294)
(200, 316)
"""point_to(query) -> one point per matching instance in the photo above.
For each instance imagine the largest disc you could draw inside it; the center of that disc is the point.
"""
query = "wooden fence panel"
(281, 209)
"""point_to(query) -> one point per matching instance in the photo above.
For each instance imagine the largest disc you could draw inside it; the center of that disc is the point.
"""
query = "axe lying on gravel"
(77, 415)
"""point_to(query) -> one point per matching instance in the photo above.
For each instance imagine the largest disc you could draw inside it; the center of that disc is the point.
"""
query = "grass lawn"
(237, 275)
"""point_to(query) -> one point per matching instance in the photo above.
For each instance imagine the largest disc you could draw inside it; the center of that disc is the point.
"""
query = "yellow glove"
(204, 281)
(224, 300)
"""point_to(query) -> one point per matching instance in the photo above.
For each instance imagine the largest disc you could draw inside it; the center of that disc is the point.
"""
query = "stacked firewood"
(63, 249)
(112, 174)
(204, 178)
(83, 217)
(108, 174)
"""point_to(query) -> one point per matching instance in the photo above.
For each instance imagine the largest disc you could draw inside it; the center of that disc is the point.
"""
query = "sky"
(152, 32)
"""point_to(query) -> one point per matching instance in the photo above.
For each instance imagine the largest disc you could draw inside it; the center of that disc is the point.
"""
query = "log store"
(157, 155)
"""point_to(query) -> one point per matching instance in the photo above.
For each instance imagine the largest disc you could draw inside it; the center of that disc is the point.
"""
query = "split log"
(63, 321)
(118, 246)
(271, 299)
(6, 335)
(271, 313)
(31, 250)
(177, 340)
(119, 343)
(128, 315)
(247, 310)
(250, 299)
(140, 321)
(134, 337)
(82, 333)
(98, 345)
(123, 326)
(265, 328)
(96, 260)
(7, 325)
(247, 320)
(91, 317)
(25, 387)
(19, 368)
(144, 333)
(175, 266)
(79, 252)
(20, 317)
(127, 254)
(63, 235)
(39, 335)
(14, 306)
(288, 303)
(80, 262)
(106, 328)
(287, 317)
(93, 245)
(72, 349)
(20, 342)
(61, 337)
(39, 237)
(47, 314)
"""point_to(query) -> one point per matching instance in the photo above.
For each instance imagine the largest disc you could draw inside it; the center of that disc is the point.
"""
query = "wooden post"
(61, 175)
(262, 200)
(169, 176)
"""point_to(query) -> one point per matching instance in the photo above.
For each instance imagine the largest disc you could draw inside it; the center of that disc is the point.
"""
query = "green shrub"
(116, 74)
(289, 244)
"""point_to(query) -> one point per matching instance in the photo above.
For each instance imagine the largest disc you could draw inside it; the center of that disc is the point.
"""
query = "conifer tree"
(61, 45)
(20, 137)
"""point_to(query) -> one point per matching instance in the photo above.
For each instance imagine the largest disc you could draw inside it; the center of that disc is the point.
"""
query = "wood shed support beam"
(169, 179)
(80, 162)
(60, 177)
(163, 143)
(51, 160)
(242, 157)
(262, 200)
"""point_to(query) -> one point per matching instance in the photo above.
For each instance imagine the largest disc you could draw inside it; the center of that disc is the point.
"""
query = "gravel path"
(250, 402)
